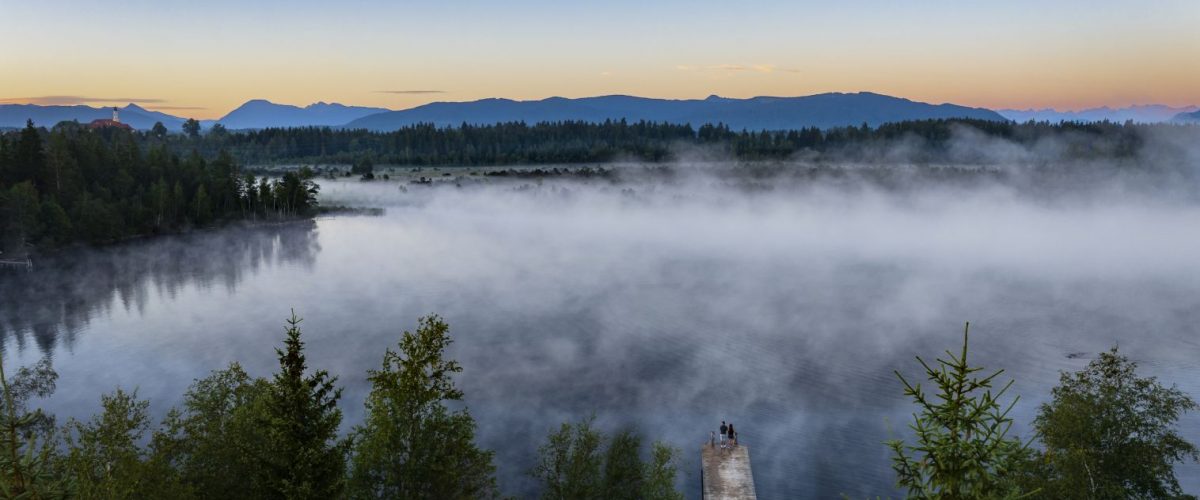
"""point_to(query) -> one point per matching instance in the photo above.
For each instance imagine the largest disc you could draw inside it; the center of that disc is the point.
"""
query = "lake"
(669, 304)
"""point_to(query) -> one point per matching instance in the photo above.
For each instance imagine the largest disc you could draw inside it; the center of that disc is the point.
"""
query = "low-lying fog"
(668, 301)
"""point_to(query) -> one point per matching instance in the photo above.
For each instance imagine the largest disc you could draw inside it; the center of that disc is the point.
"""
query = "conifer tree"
(302, 457)
(963, 450)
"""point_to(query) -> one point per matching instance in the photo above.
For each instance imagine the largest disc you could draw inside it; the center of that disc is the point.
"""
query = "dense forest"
(519, 143)
(71, 183)
(1104, 433)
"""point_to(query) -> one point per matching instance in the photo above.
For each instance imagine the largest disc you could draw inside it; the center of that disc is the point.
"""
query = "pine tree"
(302, 458)
(30, 158)
(201, 206)
(963, 450)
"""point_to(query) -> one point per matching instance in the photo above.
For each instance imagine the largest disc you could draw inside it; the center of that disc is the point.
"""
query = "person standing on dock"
(724, 429)
(732, 435)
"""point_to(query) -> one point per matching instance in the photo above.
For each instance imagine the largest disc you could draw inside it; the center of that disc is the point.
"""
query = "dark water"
(670, 308)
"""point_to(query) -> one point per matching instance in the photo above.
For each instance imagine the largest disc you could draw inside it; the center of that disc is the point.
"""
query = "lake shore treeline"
(72, 183)
(75, 184)
(518, 143)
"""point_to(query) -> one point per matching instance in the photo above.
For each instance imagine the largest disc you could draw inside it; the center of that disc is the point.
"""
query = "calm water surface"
(670, 308)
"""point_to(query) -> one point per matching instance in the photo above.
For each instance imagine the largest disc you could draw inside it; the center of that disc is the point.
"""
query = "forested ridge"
(519, 143)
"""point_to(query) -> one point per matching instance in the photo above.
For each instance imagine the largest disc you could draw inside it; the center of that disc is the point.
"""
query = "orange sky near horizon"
(1070, 55)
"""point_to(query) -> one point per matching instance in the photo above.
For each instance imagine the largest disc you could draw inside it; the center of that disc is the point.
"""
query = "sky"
(203, 58)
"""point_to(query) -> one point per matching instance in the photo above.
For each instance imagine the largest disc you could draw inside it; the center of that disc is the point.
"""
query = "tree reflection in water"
(64, 291)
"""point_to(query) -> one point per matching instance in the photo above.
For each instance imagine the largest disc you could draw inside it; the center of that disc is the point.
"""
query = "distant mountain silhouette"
(1151, 113)
(260, 113)
(1193, 117)
(15, 115)
(756, 113)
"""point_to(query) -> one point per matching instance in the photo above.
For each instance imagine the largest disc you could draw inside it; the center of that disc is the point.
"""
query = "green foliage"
(214, 440)
(519, 143)
(22, 210)
(99, 186)
(411, 445)
(159, 130)
(301, 457)
(27, 451)
(658, 480)
(239, 437)
(201, 206)
(105, 460)
(191, 127)
(364, 167)
(55, 224)
(295, 193)
(962, 446)
(570, 463)
(576, 463)
(623, 466)
(1111, 434)
(30, 157)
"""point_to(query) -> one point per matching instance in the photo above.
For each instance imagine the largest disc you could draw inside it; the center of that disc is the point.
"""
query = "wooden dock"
(27, 264)
(725, 473)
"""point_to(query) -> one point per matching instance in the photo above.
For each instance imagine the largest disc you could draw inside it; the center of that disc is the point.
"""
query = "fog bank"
(779, 297)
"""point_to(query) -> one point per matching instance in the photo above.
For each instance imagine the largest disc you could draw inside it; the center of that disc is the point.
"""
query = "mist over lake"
(780, 302)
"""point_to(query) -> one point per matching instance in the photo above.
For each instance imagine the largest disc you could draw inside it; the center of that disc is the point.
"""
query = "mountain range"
(1151, 113)
(1192, 117)
(259, 113)
(756, 113)
(15, 115)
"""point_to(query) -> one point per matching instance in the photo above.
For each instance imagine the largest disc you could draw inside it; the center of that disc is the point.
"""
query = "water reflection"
(51, 304)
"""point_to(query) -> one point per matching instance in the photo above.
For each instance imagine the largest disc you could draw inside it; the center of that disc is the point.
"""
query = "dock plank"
(726, 474)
